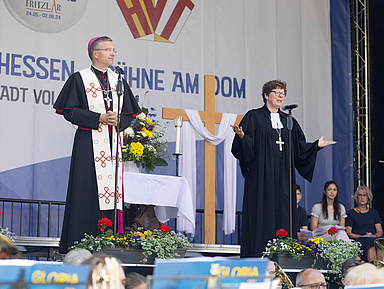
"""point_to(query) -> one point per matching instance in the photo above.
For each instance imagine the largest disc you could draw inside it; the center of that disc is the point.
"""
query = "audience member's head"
(298, 193)
(135, 281)
(105, 272)
(364, 274)
(77, 256)
(311, 279)
(363, 189)
(348, 265)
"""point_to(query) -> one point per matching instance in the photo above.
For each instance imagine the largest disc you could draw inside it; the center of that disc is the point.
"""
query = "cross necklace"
(107, 98)
(279, 142)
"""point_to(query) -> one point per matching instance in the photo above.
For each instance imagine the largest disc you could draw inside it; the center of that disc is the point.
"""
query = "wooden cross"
(210, 118)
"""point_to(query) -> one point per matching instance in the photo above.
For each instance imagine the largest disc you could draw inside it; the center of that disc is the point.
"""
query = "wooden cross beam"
(210, 117)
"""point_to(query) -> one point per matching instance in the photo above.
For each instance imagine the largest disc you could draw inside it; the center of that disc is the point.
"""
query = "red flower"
(281, 233)
(164, 228)
(332, 231)
(103, 223)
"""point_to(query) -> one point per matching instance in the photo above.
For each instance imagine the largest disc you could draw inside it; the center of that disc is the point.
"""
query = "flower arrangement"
(161, 242)
(4, 231)
(142, 141)
(335, 252)
(11, 236)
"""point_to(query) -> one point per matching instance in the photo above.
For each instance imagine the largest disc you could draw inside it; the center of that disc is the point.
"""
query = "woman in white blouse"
(329, 212)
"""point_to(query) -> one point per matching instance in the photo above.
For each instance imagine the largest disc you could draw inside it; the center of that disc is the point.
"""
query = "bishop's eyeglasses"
(108, 49)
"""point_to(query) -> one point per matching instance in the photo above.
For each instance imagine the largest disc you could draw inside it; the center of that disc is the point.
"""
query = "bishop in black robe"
(82, 211)
(266, 172)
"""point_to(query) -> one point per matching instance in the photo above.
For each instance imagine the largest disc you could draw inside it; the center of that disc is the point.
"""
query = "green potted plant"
(334, 253)
(162, 243)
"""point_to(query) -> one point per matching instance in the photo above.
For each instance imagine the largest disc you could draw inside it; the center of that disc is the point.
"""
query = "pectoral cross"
(108, 100)
(280, 143)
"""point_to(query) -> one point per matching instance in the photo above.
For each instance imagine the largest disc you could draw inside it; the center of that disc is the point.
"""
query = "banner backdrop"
(166, 48)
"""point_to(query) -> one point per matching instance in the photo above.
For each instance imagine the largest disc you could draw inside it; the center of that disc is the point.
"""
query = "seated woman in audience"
(328, 213)
(364, 224)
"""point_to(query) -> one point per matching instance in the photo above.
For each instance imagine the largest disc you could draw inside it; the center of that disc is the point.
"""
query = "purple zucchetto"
(91, 41)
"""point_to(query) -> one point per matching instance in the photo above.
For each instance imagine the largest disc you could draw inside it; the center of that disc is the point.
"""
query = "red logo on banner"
(160, 20)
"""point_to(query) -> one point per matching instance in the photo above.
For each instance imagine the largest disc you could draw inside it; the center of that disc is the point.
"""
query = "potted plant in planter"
(138, 246)
(312, 252)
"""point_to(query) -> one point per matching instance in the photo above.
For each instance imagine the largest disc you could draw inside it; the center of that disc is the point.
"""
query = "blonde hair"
(105, 272)
(364, 189)
(364, 274)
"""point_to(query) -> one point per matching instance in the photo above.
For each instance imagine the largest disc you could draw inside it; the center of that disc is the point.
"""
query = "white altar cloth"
(171, 195)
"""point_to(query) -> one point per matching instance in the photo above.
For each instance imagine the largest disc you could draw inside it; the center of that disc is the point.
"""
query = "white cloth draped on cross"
(188, 164)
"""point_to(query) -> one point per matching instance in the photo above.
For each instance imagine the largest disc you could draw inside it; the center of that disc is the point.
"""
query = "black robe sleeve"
(243, 149)
(73, 105)
(304, 153)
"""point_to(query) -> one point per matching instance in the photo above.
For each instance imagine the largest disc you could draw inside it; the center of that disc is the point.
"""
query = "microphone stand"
(119, 91)
(290, 126)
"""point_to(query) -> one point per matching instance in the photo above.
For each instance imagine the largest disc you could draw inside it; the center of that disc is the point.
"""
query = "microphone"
(289, 106)
(119, 70)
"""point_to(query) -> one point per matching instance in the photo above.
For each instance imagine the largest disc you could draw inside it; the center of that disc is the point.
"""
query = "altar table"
(171, 195)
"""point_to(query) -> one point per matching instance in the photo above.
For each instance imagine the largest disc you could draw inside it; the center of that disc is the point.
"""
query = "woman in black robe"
(261, 145)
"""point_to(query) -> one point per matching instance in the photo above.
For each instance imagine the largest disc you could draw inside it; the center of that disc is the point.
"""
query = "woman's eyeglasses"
(278, 93)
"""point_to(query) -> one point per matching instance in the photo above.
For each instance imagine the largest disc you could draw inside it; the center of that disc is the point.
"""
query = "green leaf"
(160, 162)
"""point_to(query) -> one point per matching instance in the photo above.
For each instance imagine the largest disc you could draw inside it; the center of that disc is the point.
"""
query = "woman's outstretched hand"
(323, 143)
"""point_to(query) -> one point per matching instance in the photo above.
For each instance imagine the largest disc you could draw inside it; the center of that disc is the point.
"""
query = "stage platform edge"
(48, 248)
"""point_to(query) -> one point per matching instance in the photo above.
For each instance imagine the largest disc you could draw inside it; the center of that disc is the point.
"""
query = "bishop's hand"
(112, 118)
(109, 118)
(323, 143)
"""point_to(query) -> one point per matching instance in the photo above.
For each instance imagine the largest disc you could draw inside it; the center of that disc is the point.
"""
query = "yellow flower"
(318, 240)
(140, 234)
(137, 149)
(148, 120)
(148, 133)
